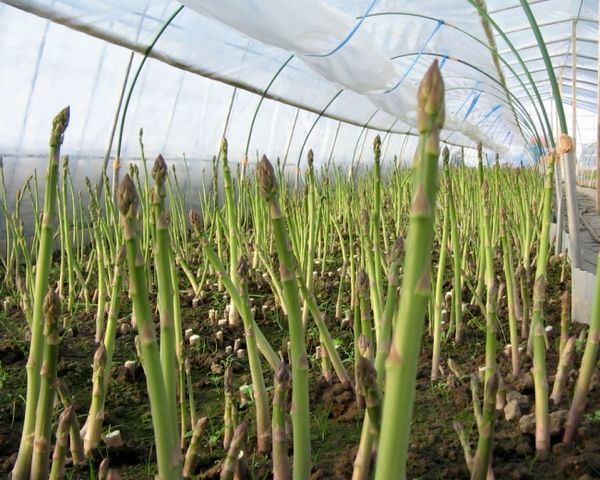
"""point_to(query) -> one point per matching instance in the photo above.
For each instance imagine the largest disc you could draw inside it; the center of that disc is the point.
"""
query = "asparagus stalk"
(362, 287)
(167, 448)
(437, 314)
(281, 462)
(163, 262)
(190, 390)
(456, 311)
(96, 418)
(391, 301)
(376, 290)
(368, 386)
(588, 363)
(564, 321)
(230, 407)
(193, 454)
(235, 448)
(540, 378)
(481, 460)
(263, 419)
(300, 405)
(562, 371)
(232, 236)
(60, 448)
(401, 364)
(96, 412)
(75, 441)
(103, 469)
(510, 295)
(42, 273)
(43, 424)
(367, 377)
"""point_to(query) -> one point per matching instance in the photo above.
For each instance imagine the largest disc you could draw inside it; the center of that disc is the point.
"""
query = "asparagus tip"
(445, 155)
(243, 268)
(377, 147)
(282, 374)
(100, 356)
(59, 125)
(362, 281)
(51, 305)
(430, 99)
(266, 177)
(224, 147)
(126, 195)
(539, 287)
(397, 249)
(159, 170)
(195, 219)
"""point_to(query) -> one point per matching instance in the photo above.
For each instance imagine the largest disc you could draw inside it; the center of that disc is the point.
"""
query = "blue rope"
(472, 106)
(492, 110)
(416, 59)
(350, 35)
(497, 129)
(443, 62)
(493, 123)
(467, 98)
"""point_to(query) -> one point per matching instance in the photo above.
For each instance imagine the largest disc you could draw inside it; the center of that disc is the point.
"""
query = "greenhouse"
(303, 239)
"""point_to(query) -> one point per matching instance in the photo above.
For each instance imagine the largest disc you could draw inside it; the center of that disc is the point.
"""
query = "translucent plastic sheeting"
(181, 113)
(586, 165)
(228, 55)
(333, 44)
(355, 61)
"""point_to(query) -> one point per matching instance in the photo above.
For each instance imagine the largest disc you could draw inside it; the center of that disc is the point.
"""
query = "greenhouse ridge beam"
(139, 48)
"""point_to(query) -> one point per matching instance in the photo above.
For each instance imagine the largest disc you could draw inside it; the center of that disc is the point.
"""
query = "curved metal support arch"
(262, 97)
(139, 70)
(522, 112)
(464, 62)
(315, 124)
(526, 121)
(531, 124)
(523, 116)
(388, 135)
(362, 130)
(504, 62)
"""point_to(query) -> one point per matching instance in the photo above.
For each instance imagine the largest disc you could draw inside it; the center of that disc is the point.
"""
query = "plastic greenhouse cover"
(355, 62)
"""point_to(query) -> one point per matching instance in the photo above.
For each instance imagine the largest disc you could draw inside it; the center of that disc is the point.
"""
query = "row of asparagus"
(490, 227)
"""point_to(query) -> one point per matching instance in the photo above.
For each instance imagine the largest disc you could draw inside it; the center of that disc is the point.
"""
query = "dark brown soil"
(336, 421)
